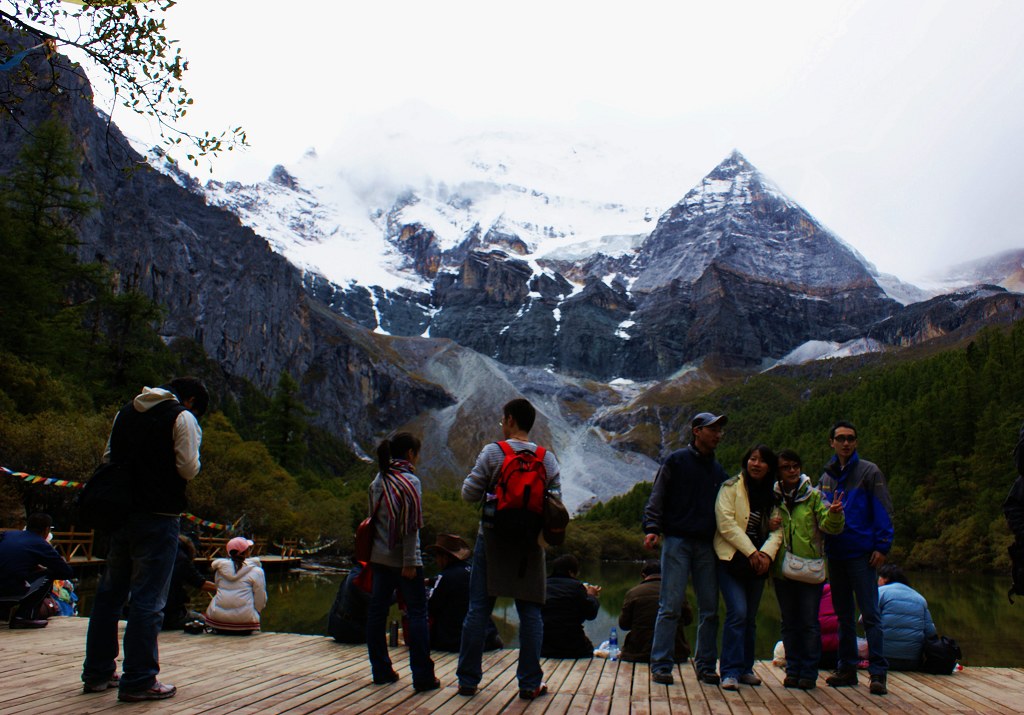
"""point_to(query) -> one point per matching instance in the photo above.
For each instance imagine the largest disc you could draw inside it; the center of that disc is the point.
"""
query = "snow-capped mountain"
(591, 287)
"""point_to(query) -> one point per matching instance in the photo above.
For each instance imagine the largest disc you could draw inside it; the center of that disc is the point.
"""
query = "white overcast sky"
(898, 124)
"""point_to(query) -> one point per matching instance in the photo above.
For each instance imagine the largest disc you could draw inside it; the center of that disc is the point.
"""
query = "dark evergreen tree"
(285, 424)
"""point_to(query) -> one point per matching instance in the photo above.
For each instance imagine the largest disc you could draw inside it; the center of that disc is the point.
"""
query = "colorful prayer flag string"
(52, 482)
(46, 481)
(312, 550)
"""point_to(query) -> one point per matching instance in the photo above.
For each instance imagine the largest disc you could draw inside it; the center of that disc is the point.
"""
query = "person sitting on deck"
(347, 620)
(28, 566)
(177, 612)
(241, 590)
(639, 612)
(905, 618)
(569, 603)
(448, 596)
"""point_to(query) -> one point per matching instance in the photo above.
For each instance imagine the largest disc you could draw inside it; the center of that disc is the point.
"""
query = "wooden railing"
(212, 547)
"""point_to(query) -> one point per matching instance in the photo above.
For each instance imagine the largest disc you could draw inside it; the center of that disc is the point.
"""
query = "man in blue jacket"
(28, 566)
(855, 554)
(681, 511)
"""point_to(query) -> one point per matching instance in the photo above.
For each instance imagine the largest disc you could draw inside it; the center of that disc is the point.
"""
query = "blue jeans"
(852, 578)
(140, 562)
(386, 579)
(742, 597)
(801, 631)
(679, 557)
(474, 630)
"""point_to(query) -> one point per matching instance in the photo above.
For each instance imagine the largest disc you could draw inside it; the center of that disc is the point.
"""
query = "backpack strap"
(506, 448)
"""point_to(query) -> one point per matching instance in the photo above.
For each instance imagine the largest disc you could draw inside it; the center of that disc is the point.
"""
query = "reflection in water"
(973, 609)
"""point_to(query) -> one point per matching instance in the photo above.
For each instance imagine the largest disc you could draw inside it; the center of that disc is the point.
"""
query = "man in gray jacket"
(504, 567)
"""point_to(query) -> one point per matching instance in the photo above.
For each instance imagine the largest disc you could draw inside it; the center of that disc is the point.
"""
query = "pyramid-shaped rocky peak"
(737, 220)
(732, 166)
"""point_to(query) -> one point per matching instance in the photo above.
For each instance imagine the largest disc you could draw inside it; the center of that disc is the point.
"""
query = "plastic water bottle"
(613, 644)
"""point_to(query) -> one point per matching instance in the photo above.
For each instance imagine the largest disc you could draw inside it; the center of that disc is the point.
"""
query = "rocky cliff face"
(222, 285)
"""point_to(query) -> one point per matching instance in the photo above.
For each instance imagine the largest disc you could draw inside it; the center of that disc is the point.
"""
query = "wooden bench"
(72, 543)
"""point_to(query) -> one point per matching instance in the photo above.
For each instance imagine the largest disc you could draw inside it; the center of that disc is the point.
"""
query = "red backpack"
(519, 493)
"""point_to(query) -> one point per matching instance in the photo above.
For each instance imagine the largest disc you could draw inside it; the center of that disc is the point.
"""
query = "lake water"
(973, 609)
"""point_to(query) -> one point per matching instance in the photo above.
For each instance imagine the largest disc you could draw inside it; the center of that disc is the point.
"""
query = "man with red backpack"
(510, 479)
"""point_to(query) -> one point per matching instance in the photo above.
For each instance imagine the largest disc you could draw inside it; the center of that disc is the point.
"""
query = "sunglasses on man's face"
(841, 438)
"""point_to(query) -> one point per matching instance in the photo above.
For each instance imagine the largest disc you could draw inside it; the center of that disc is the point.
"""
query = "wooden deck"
(287, 673)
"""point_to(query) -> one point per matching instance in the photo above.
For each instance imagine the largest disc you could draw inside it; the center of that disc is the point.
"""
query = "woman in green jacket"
(804, 515)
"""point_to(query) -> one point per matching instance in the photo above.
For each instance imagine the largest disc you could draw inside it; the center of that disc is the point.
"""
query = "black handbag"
(106, 499)
(940, 655)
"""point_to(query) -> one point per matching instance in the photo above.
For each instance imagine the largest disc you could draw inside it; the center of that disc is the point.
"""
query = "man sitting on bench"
(28, 566)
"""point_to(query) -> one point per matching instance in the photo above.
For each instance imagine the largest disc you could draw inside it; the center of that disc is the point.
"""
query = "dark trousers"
(386, 580)
(801, 631)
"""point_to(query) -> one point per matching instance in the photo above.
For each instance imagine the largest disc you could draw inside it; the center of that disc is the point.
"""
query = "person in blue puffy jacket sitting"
(906, 621)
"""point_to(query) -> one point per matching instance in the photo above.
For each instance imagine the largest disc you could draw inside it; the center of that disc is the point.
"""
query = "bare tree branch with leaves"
(127, 42)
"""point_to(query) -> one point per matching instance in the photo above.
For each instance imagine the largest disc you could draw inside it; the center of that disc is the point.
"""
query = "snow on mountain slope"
(337, 219)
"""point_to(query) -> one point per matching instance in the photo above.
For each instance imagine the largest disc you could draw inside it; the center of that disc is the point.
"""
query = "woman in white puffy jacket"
(241, 590)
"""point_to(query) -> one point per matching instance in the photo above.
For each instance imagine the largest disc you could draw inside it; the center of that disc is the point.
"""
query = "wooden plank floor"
(295, 674)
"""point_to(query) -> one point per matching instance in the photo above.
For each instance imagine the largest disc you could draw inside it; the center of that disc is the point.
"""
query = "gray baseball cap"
(706, 419)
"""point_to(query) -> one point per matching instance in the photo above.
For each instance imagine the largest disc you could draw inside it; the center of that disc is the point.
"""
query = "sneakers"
(807, 683)
(708, 676)
(877, 686)
(533, 694)
(662, 677)
(158, 691)
(17, 622)
(730, 683)
(426, 686)
(112, 682)
(791, 681)
(842, 679)
(750, 679)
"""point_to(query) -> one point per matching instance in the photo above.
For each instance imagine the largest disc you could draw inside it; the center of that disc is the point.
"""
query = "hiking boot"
(807, 683)
(426, 686)
(842, 679)
(386, 679)
(750, 679)
(708, 676)
(112, 682)
(533, 694)
(158, 691)
(662, 677)
(791, 681)
(877, 686)
(730, 683)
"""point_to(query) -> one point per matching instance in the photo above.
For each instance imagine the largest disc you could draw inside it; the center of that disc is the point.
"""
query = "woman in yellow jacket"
(745, 547)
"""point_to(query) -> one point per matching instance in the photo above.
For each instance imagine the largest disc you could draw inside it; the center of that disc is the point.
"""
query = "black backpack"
(106, 499)
(940, 655)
